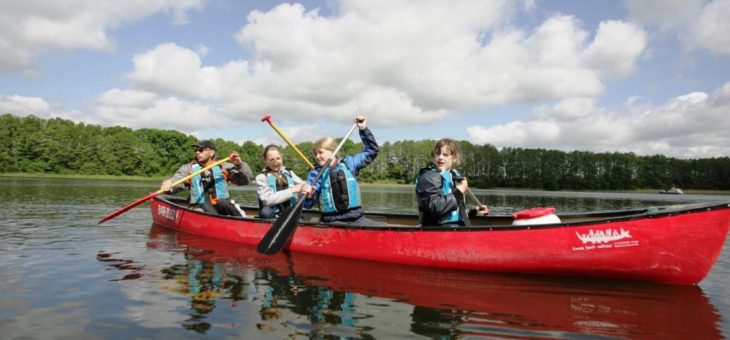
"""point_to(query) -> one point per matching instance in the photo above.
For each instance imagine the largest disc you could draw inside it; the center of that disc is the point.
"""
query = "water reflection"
(64, 276)
(316, 296)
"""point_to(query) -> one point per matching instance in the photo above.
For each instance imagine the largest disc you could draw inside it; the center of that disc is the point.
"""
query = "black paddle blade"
(281, 231)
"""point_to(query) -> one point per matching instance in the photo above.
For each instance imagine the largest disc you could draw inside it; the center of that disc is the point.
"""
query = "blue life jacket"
(271, 180)
(339, 193)
(197, 191)
(447, 187)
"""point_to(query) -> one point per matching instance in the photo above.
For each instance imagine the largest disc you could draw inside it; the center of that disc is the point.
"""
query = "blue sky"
(648, 77)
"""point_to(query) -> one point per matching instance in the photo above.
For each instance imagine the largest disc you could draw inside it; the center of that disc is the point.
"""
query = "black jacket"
(433, 205)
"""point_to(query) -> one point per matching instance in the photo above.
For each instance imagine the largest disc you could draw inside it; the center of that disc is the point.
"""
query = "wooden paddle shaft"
(267, 119)
(143, 199)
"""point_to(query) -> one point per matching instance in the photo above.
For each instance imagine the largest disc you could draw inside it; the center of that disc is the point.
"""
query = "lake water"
(64, 276)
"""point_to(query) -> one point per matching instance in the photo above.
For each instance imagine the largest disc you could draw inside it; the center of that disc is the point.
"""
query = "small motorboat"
(672, 191)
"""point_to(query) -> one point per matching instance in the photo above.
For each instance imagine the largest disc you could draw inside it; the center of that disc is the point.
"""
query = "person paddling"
(440, 189)
(337, 190)
(277, 185)
(209, 190)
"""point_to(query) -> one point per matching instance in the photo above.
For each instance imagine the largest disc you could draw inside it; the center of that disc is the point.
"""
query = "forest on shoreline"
(58, 146)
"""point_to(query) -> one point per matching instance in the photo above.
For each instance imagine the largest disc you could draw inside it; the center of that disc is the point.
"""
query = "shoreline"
(376, 184)
(73, 176)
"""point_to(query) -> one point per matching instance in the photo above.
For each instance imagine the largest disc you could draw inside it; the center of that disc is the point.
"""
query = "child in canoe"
(337, 190)
(440, 189)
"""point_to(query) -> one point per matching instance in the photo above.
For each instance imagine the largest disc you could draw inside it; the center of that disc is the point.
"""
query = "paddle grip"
(267, 118)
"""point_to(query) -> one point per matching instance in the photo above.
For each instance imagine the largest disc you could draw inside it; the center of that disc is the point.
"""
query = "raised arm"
(367, 156)
(239, 172)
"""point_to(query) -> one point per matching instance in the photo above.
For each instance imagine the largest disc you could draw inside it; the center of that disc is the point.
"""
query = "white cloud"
(605, 55)
(396, 61)
(171, 69)
(295, 133)
(23, 106)
(567, 109)
(517, 134)
(694, 125)
(138, 109)
(711, 30)
(697, 23)
(466, 61)
(202, 50)
(126, 98)
(31, 27)
(665, 14)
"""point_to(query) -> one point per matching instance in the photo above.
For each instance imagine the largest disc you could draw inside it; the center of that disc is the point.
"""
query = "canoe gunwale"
(598, 217)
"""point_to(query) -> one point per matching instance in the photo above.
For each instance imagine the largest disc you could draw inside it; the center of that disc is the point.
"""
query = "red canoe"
(474, 303)
(675, 244)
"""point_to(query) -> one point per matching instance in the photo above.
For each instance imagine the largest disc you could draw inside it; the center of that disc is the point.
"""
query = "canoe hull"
(469, 299)
(674, 248)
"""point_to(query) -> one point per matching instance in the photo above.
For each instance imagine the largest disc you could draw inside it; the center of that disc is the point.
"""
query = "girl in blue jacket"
(337, 190)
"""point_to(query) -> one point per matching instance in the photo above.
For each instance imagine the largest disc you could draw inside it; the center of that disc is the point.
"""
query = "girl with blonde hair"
(337, 191)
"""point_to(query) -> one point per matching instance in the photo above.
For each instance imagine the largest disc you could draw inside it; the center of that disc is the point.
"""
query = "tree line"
(58, 146)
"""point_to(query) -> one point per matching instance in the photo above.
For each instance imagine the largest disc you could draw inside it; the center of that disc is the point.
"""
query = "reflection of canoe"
(677, 245)
(485, 304)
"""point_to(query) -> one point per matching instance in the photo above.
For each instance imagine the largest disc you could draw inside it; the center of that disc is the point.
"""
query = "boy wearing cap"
(209, 190)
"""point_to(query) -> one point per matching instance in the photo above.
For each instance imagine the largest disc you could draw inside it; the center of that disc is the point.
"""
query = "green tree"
(34, 145)
(9, 135)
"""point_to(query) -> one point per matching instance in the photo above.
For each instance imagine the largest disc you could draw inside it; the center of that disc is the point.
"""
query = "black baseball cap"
(204, 144)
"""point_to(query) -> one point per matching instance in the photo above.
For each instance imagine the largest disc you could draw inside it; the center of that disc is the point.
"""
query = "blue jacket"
(354, 164)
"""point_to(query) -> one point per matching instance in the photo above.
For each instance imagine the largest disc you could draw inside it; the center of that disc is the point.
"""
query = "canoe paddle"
(267, 118)
(143, 199)
(473, 197)
(283, 228)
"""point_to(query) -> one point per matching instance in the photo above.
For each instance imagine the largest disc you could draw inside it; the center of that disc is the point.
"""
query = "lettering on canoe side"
(605, 239)
(167, 212)
(603, 236)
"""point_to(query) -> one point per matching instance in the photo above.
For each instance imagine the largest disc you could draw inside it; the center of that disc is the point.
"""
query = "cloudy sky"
(649, 77)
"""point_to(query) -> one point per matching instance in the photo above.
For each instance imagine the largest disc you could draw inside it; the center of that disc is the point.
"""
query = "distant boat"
(672, 191)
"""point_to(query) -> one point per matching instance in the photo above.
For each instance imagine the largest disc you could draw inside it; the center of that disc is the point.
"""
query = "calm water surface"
(64, 276)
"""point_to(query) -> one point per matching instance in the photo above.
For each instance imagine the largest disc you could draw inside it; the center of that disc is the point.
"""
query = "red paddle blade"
(127, 207)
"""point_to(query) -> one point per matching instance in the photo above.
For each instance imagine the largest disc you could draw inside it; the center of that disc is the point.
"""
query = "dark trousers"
(266, 212)
(223, 207)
